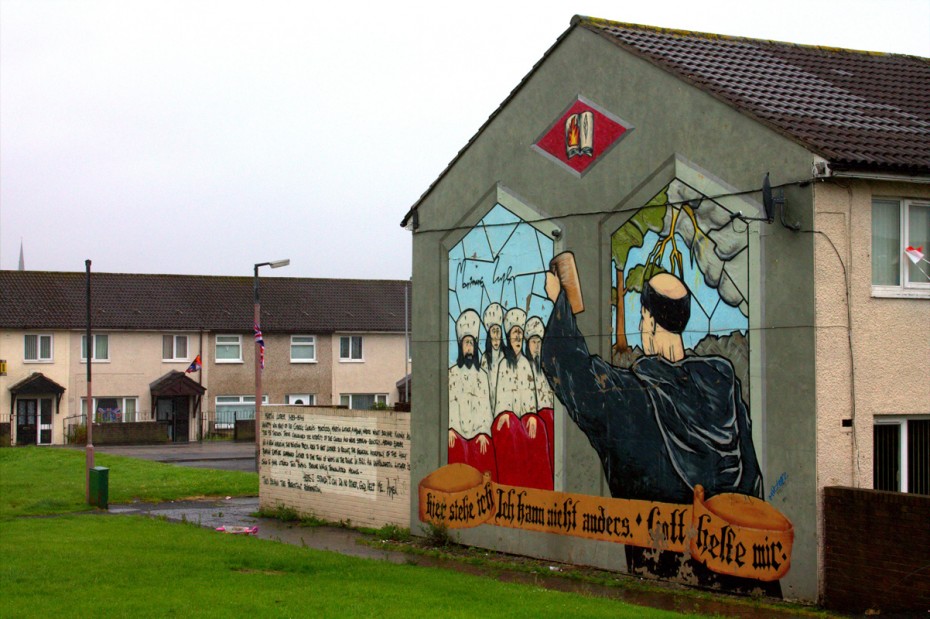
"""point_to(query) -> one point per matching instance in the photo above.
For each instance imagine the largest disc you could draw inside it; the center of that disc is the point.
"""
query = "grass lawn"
(127, 566)
(94, 564)
(46, 480)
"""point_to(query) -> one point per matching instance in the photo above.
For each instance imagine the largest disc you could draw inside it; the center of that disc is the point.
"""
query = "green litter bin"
(100, 486)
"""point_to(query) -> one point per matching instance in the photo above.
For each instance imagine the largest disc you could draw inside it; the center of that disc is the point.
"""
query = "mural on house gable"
(500, 405)
(667, 414)
(669, 419)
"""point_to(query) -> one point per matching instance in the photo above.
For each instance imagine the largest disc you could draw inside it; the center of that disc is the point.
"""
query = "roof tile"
(56, 300)
(857, 109)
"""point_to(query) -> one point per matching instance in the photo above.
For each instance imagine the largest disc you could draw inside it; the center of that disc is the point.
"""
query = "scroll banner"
(731, 534)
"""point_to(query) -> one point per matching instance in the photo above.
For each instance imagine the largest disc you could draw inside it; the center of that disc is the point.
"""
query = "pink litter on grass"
(238, 530)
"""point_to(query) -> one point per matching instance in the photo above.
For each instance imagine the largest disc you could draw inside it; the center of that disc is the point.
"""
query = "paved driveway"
(224, 455)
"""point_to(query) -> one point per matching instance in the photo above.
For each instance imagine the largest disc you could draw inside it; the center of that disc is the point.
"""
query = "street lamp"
(258, 369)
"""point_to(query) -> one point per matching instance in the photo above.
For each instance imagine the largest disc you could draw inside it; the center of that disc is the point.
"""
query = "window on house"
(897, 225)
(901, 450)
(350, 348)
(303, 349)
(101, 347)
(232, 408)
(113, 409)
(37, 347)
(229, 349)
(300, 399)
(363, 401)
(174, 348)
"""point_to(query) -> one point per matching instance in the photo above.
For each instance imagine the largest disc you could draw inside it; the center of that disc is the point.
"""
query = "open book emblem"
(579, 134)
(582, 134)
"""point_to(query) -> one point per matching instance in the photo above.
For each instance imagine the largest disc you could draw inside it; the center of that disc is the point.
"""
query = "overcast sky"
(202, 137)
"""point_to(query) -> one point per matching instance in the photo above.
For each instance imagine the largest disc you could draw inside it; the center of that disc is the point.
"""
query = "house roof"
(56, 300)
(858, 110)
(861, 111)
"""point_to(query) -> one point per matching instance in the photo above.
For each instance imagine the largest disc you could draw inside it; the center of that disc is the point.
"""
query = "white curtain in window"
(130, 410)
(886, 243)
(101, 347)
(918, 235)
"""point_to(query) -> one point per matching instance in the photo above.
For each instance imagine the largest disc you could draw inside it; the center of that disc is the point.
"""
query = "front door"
(45, 421)
(26, 427)
(176, 412)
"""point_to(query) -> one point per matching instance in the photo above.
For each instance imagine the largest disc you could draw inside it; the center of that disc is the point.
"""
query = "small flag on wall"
(195, 365)
(916, 254)
(261, 344)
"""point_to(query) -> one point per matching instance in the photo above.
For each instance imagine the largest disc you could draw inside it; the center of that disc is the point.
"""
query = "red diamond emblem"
(581, 135)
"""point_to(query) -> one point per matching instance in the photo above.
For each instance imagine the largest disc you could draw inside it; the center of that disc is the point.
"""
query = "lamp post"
(258, 369)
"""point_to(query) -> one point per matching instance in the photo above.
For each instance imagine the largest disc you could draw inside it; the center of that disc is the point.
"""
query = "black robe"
(659, 428)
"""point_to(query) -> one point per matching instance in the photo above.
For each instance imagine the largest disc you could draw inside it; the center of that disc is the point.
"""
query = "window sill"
(900, 293)
(303, 361)
(228, 361)
(96, 361)
(351, 361)
(38, 361)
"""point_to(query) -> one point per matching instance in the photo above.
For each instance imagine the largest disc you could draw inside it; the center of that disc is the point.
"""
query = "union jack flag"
(261, 346)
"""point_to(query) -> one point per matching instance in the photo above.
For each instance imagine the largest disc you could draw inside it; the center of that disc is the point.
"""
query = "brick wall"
(876, 551)
(130, 433)
(337, 464)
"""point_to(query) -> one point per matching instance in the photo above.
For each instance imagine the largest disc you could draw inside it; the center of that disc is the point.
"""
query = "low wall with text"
(336, 464)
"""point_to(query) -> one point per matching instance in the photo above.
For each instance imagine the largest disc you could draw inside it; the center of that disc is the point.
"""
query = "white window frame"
(121, 399)
(303, 340)
(308, 398)
(39, 358)
(905, 288)
(97, 337)
(217, 343)
(901, 422)
(352, 358)
(174, 348)
(345, 399)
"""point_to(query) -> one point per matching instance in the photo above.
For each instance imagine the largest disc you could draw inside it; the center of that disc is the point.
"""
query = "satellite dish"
(768, 202)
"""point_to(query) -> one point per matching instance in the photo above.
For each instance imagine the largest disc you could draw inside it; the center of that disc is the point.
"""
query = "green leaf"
(632, 233)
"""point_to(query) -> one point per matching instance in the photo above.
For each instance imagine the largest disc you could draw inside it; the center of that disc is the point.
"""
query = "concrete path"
(240, 512)
(223, 455)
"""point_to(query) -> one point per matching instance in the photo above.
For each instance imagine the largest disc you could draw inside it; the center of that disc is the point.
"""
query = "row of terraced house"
(173, 355)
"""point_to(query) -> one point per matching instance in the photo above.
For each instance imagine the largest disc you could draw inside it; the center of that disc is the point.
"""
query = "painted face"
(516, 339)
(468, 346)
(495, 334)
(535, 345)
